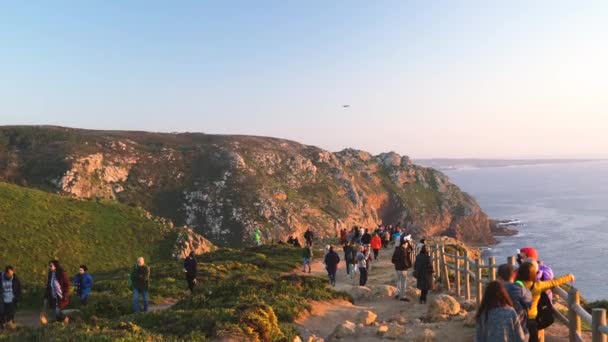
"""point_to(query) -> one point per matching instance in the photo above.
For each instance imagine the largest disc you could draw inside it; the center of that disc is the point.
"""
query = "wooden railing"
(472, 274)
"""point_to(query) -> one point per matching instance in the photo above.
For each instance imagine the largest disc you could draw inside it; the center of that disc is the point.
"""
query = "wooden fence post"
(598, 318)
(511, 260)
(467, 278)
(437, 266)
(445, 269)
(492, 270)
(478, 281)
(574, 326)
(457, 272)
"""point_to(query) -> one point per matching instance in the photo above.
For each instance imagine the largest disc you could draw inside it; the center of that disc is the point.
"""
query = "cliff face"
(225, 186)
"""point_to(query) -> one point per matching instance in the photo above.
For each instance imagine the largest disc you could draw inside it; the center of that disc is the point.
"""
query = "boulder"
(442, 306)
(412, 292)
(344, 331)
(470, 321)
(468, 305)
(315, 338)
(360, 292)
(425, 335)
(382, 330)
(385, 291)
(366, 317)
(297, 339)
(395, 332)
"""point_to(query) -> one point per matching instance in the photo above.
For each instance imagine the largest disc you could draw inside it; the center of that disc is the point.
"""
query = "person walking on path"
(190, 266)
(57, 293)
(527, 275)
(83, 281)
(402, 262)
(362, 266)
(307, 257)
(11, 293)
(386, 238)
(350, 257)
(309, 236)
(140, 279)
(423, 272)
(331, 264)
(496, 320)
(520, 296)
(366, 239)
(376, 244)
(257, 237)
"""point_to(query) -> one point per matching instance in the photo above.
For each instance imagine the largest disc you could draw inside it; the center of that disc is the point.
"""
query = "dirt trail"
(325, 316)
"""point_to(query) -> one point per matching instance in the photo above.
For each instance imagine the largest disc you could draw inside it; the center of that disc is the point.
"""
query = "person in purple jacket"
(544, 271)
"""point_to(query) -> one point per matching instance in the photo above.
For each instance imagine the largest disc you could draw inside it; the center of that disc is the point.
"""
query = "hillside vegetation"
(225, 186)
(36, 226)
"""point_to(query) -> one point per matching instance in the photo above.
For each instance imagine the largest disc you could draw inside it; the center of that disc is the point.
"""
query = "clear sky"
(428, 79)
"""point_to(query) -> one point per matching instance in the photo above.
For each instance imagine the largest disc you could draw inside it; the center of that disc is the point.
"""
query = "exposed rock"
(315, 338)
(360, 292)
(189, 241)
(395, 332)
(384, 290)
(424, 335)
(344, 331)
(382, 330)
(442, 306)
(366, 317)
(297, 339)
(412, 292)
(468, 305)
(470, 320)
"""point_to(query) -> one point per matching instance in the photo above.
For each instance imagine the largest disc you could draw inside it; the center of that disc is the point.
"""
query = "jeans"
(144, 295)
(8, 312)
(401, 282)
(307, 262)
(54, 304)
(362, 276)
(350, 270)
(332, 277)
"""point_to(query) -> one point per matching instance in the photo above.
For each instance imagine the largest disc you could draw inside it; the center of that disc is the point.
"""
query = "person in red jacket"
(376, 244)
(57, 293)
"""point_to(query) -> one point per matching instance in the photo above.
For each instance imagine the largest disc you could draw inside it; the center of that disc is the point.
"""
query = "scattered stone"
(382, 330)
(470, 321)
(385, 291)
(315, 338)
(344, 330)
(366, 317)
(395, 332)
(360, 292)
(468, 305)
(297, 339)
(412, 292)
(442, 306)
(425, 335)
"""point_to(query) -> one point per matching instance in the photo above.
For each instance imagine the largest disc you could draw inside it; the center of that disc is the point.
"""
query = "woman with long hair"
(423, 272)
(496, 319)
(527, 275)
(57, 293)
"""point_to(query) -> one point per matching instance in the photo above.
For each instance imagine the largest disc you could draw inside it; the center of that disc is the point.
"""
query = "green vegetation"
(247, 294)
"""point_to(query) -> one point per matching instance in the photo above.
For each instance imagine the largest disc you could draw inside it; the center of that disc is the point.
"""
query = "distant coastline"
(448, 164)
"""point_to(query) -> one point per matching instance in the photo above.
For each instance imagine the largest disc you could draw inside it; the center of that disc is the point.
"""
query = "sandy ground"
(325, 316)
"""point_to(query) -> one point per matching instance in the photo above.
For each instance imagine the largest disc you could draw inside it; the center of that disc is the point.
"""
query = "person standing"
(140, 279)
(423, 272)
(400, 260)
(83, 281)
(350, 256)
(257, 237)
(11, 293)
(190, 270)
(520, 296)
(376, 244)
(331, 264)
(57, 292)
(366, 239)
(362, 266)
(307, 257)
(309, 236)
(496, 320)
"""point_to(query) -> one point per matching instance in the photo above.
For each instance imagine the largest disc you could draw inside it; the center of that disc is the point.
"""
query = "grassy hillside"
(36, 226)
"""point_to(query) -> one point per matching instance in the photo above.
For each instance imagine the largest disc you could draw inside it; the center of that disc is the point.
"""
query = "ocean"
(564, 208)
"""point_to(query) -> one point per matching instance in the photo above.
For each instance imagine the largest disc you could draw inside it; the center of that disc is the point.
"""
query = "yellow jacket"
(542, 286)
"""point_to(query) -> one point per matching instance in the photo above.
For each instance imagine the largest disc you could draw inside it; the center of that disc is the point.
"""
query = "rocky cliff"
(225, 186)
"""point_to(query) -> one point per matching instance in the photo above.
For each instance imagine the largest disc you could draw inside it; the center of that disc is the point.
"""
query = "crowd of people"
(518, 306)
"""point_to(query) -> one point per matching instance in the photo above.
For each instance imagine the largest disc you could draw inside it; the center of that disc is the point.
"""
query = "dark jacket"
(423, 271)
(399, 259)
(64, 284)
(350, 254)
(190, 266)
(141, 277)
(331, 261)
(308, 235)
(16, 288)
(366, 239)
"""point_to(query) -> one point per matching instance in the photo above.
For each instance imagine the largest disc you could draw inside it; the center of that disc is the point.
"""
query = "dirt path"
(325, 316)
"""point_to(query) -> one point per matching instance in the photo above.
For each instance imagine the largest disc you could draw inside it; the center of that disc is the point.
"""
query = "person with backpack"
(350, 256)
(309, 236)
(496, 320)
(83, 281)
(257, 237)
(331, 264)
(57, 293)
(376, 244)
(520, 296)
(140, 282)
(307, 257)
(402, 262)
(362, 266)
(544, 271)
(190, 268)
(11, 293)
(423, 272)
(540, 314)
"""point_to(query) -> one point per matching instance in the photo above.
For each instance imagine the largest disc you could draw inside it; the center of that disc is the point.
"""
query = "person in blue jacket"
(83, 281)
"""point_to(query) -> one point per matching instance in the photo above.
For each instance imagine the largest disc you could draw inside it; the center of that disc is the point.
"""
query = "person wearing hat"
(545, 272)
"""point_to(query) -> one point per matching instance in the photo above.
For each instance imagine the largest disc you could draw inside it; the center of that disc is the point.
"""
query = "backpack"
(544, 318)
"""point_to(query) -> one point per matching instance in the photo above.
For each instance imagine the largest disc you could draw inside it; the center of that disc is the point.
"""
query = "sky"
(428, 79)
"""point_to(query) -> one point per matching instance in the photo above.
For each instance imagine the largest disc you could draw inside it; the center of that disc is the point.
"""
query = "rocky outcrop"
(188, 241)
(225, 187)
(442, 306)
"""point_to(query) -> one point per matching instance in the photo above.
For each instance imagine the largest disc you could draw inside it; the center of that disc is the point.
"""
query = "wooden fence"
(470, 276)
